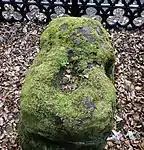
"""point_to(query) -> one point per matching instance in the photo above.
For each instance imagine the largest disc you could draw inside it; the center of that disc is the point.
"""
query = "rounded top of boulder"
(85, 36)
(79, 30)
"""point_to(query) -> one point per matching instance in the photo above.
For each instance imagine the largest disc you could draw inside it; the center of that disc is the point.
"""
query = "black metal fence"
(113, 13)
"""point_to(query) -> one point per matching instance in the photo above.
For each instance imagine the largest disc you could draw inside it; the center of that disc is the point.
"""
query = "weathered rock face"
(68, 98)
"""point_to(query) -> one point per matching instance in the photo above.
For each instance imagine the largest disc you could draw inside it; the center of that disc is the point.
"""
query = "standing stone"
(68, 97)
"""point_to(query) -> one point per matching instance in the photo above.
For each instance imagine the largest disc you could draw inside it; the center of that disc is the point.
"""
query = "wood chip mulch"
(19, 43)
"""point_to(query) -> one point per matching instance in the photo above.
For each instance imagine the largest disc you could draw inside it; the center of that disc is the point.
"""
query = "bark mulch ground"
(19, 43)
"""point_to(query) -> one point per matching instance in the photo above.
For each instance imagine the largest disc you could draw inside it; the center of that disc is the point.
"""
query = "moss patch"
(68, 96)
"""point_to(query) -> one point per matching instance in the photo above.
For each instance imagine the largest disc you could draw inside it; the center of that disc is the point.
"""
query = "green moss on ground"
(68, 97)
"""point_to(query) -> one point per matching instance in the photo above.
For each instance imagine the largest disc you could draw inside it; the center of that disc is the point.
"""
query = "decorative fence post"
(75, 8)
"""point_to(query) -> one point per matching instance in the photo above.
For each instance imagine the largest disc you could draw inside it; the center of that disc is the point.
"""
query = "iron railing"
(113, 13)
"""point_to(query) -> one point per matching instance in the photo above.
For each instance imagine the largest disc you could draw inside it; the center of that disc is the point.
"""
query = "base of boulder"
(40, 143)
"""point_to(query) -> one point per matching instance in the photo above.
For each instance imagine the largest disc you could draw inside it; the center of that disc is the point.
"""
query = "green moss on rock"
(68, 98)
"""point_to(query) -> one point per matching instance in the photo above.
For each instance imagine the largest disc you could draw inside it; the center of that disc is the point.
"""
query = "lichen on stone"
(68, 97)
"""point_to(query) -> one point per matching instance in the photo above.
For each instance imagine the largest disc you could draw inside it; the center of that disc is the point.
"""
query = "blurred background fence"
(112, 13)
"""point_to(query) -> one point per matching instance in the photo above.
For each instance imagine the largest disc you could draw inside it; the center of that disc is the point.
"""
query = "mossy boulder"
(68, 97)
